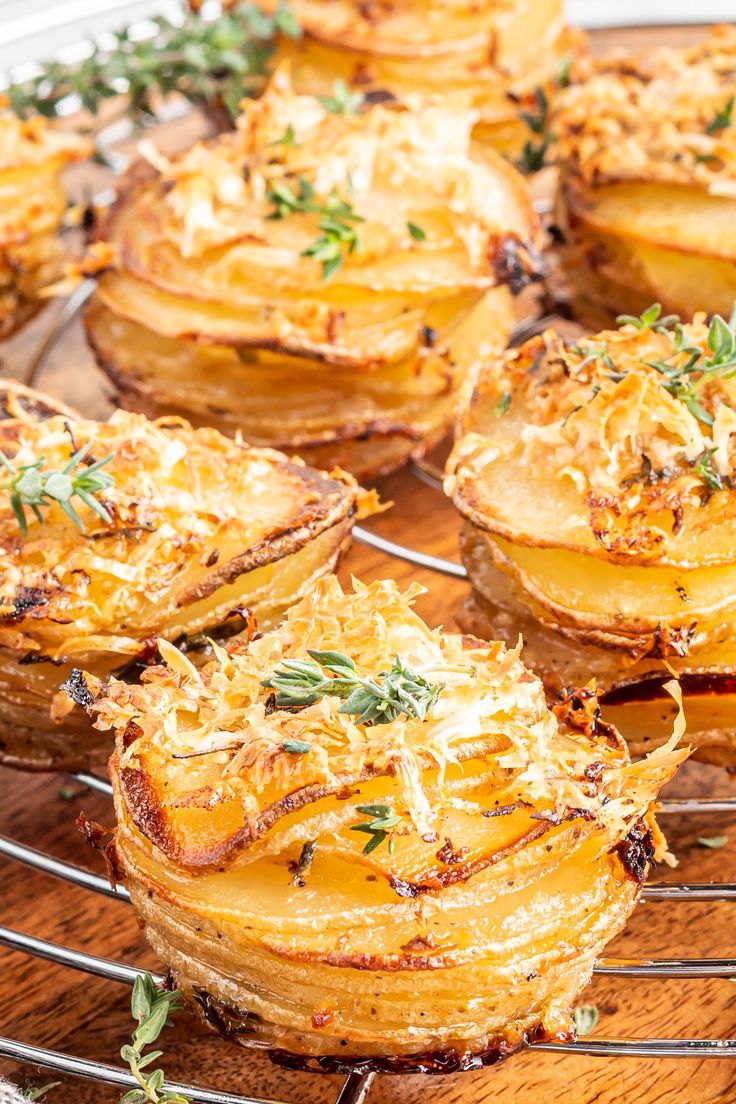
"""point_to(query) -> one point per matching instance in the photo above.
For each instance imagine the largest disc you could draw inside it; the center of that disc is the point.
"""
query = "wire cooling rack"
(356, 1086)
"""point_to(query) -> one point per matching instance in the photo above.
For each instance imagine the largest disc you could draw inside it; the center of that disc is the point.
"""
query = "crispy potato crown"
(618, 445)
(665, 117)
(207, 769)
(394, 164)
(190, 511)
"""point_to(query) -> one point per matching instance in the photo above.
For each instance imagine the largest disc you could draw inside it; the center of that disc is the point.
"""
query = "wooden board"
(53, 1007)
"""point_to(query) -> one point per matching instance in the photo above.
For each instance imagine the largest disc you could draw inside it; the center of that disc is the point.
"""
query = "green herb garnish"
(287, 139)
(337, 216)
(683, 380)
(416, 232)
(32, 487)
(713, 842)
(296, 747)
(722, 119)
(704, 467)
(212, 62)
(383, 820)
(40, 1092)
(650, 319)
(503, 405)
(380, 700)
(535, 150)
(585, 1018)
(343, 100)
(151, 1008)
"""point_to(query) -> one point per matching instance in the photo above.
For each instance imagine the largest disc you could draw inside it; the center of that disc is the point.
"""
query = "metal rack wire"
(356, 1086)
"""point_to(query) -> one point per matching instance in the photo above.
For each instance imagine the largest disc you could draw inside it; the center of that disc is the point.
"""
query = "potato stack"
(362, 843)
(32, 206)
(597, 483)
(496, 52)
(318, 281)
(113, 533)
(647, 197)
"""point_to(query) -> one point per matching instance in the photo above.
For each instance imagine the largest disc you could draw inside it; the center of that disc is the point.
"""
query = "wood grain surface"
(58, 1008)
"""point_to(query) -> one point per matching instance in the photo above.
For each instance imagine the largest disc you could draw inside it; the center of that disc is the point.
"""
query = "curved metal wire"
(411, 555)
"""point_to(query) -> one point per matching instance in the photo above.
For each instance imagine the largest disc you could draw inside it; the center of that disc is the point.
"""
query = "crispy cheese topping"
(35, 141)
(393, 165)
(230, 733)
(184, 504)
(666, 117)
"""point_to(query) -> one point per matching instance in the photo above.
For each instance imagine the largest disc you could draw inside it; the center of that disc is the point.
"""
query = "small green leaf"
(296, 747)
(713, 842)
(416, 232)
(503, 405)
(40, 1092)
(585, 1018)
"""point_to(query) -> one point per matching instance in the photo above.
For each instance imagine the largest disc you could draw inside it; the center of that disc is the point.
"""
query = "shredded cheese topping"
(395, 164)
(654, 118)
(185, 502)
(35, 141)
(491, 707)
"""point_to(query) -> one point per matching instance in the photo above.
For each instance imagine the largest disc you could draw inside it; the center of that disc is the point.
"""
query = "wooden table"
(63, 1010)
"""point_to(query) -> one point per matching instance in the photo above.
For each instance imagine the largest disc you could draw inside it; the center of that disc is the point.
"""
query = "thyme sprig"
(704, 467)
(722, 119)
(380, 700)
(337, 221)
(33, 487)
(151, 1008)
(684, 378)
(209, 61)
(535, 149)
(383, 819)
(649, 319)
(343, 101)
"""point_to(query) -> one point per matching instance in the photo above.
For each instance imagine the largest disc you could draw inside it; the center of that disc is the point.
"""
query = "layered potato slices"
(497, 52)
(114, 533)
(647, 196)
(361, 843)
(32, 205)
(597, 484)
(319, 281)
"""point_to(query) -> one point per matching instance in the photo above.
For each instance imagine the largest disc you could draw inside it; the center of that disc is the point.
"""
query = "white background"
(36, 29)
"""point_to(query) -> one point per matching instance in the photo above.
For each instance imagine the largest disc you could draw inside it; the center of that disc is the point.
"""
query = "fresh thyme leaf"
(503, 405)
(296, 747)
(40, 1092)
(343, 100)
(287, 139)
(650, 319)
(563, 72)
(704, 467)
(722, 119)
(535, 151)
(585, 1018)
(32, 487)
(713, 842)
(337, 215)
(301, 682)
(416, 232)
(215, 62)
(150, 1008)
(683, 379)
(383, 819)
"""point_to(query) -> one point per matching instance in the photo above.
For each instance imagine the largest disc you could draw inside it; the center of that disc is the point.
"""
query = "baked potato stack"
(647, 196)
(361, 843)
(320, 282)
(32, 205)
(496, 52)
(597, 484)
(114, 533)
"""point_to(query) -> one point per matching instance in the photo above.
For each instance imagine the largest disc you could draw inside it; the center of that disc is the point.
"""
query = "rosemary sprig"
(383, 819)
(343, 101)
(209, 61)
(150, 1008)
(339, 235)
(722, 119)
(30, 486)
(301, 682)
